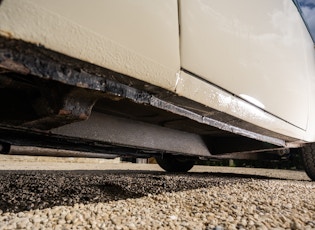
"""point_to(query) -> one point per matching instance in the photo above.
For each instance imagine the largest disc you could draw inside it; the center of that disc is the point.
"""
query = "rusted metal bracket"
(73, 106)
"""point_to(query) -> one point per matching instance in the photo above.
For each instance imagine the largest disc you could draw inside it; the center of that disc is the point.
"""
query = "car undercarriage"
(51, 100)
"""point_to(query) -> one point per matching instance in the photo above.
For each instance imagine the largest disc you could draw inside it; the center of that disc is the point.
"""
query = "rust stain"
(83, 116)
(9, 64)
(82, 85)
(64, 112)
(6, 33)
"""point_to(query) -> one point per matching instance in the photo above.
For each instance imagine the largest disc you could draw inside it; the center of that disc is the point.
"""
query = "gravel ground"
(147, 198)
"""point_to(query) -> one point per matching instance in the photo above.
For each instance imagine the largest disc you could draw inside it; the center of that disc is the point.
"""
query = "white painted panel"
(198, 90)
(134, 37)
(259, 50)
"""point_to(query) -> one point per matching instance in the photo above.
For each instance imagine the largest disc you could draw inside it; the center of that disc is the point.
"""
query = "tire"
(175, 164)
(308, 155)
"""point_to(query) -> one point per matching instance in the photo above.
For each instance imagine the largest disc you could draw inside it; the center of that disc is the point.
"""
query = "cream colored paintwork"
(219, 99)
(138, 38)
(258, 50)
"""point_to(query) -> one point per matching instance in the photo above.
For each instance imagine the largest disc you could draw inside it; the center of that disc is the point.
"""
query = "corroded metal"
(76, 85)
(45, 64)
(74, 106)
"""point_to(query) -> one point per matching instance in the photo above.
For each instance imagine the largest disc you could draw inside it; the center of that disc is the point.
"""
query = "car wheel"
(175, 164)
(308, 155)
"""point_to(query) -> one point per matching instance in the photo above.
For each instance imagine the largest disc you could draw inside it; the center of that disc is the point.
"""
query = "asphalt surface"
(29, 183)
(52, 193)
(26, 190)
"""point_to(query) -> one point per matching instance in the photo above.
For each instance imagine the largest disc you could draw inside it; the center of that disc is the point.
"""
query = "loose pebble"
(255, 204)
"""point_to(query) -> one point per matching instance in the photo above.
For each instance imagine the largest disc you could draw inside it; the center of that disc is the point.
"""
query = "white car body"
(253, 60)
(257, 65)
